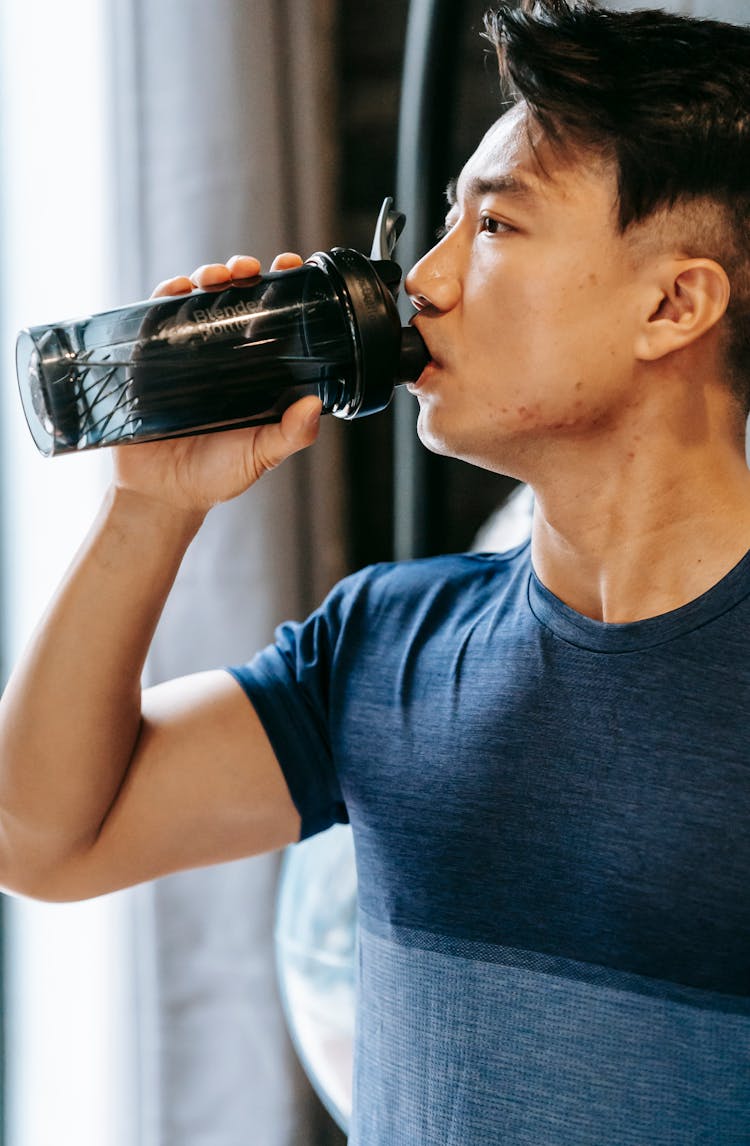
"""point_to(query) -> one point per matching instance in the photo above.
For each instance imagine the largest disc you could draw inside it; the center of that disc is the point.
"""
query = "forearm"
(70, 715)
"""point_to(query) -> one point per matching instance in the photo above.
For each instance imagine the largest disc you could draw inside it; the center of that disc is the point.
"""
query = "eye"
(490, 226)
(487, 226)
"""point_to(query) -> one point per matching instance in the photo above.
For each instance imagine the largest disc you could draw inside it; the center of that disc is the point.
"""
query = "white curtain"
(223, 120)
(735, 11)
(67, 1004)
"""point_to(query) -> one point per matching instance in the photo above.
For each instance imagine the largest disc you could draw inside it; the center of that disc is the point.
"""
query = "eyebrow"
(490, 185)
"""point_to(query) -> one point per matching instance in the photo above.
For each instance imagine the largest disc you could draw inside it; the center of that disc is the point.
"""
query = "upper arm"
(203, 787)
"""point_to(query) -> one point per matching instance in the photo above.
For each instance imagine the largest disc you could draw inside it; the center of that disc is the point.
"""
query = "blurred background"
(138, 140)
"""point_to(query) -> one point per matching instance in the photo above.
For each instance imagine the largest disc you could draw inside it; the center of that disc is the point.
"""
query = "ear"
(691, 297)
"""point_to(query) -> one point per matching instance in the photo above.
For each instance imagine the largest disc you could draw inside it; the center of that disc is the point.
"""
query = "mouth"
(432, 365)
(416, 386)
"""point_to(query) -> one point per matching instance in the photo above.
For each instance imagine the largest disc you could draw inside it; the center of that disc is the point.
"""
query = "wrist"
(146, 511)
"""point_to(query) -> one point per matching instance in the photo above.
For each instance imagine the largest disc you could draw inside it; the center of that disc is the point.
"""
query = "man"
(543, 754)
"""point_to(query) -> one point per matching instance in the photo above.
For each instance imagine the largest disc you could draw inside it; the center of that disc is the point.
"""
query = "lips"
(417, 384)
(415, 387)
(434, 360)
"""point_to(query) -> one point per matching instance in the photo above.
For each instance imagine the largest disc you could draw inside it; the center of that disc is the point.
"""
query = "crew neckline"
(630, 636)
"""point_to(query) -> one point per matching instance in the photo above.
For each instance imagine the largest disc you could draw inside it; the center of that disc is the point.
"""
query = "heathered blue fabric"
(551, 818)
(537, 1056)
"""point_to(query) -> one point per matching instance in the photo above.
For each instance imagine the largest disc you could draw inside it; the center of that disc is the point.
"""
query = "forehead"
(506, 144)
(515, 159)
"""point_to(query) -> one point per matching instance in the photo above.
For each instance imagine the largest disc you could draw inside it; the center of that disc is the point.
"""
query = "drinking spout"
(414, 356)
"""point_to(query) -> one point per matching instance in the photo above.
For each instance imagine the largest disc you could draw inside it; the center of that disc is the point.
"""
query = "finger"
(297, 429)
(210, 274)
(179, 285)
(243, 266)
(285, 261)
(300, 422)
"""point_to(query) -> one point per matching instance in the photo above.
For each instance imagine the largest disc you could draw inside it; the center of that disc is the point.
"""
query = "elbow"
(27, 881)
(28, 872)
(48, 887)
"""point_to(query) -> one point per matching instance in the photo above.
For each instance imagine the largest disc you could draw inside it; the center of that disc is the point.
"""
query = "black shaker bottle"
(227, 357)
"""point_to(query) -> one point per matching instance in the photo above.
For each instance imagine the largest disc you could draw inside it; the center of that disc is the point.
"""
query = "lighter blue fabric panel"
(454, 1050)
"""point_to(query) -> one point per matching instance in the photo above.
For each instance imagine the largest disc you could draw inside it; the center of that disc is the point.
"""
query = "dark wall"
(371, 47)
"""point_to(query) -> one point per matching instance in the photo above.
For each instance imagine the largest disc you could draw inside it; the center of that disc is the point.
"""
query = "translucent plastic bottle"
(218, 359)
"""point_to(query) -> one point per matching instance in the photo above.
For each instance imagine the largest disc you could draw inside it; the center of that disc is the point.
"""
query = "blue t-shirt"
(551, 818)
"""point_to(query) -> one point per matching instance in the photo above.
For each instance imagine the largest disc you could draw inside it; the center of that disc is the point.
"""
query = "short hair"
(664, 97)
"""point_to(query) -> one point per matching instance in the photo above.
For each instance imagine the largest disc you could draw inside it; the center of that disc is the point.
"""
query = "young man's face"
(528, 306)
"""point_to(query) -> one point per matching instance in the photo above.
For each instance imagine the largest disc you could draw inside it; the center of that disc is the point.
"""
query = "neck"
(628, 533)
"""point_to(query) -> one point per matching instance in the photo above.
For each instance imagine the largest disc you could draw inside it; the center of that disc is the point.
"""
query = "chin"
(431, 437)
(496, 454)
(448, 444)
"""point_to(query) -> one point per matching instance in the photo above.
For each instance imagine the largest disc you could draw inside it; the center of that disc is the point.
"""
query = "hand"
(193, 473)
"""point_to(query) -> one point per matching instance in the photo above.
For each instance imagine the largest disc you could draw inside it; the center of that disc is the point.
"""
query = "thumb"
(297, 429)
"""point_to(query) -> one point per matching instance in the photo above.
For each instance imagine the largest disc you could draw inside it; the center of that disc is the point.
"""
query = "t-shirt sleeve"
(288, 684)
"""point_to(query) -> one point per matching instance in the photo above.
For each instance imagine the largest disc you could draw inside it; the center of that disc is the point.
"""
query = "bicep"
(203, 787)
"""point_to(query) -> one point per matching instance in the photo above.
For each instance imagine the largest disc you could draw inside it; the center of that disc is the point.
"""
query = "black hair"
(664, 97)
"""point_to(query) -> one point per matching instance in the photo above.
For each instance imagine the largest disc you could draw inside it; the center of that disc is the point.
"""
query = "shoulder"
(389, 592)
(385, 610)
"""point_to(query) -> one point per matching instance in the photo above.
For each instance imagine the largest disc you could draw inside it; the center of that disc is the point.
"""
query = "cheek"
(562, 332)
(516, 314)
(539, 344)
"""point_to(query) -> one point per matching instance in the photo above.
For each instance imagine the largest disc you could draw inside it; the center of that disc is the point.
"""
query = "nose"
(434, 282)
